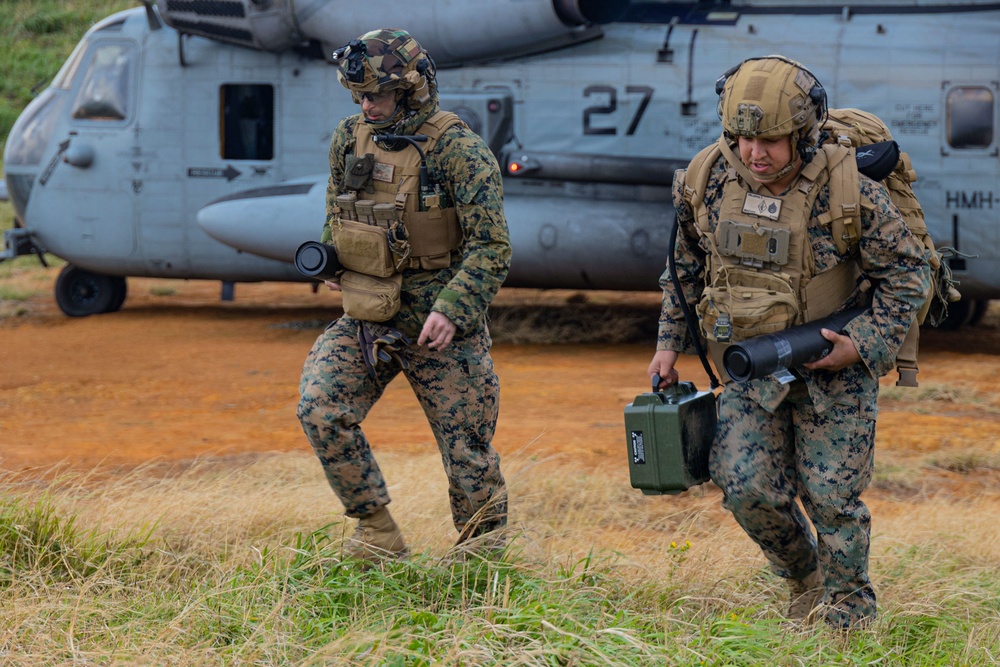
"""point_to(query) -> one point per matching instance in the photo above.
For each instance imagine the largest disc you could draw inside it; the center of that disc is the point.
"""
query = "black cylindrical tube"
(317, 260)
(762, 355)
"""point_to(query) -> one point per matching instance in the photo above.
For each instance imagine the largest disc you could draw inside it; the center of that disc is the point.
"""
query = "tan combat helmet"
(771, 97)
(384, 60)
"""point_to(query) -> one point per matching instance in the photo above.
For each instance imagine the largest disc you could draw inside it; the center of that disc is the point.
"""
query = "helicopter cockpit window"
(247, 121)
(970, 117)
(107, 86)
(64, 79)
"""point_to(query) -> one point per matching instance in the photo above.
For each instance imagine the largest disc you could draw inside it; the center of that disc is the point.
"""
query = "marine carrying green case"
(669, 434)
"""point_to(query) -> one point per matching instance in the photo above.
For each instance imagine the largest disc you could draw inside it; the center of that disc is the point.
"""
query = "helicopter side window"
(105, 94)
(970, 117)
(247, 121)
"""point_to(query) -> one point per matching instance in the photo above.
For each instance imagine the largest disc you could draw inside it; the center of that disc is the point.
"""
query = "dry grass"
(680, 553)
(216, 562)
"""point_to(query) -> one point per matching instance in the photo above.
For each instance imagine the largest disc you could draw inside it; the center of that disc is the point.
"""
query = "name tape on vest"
(765, 207)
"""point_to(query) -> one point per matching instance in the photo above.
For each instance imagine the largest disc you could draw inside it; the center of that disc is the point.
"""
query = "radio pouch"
(358, 172)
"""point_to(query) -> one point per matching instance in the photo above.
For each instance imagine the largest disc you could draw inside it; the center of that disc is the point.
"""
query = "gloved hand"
(381, 343)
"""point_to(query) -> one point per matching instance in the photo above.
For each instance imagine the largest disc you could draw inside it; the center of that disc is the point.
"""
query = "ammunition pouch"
(370, 298)
(741, 304)
(363, 248)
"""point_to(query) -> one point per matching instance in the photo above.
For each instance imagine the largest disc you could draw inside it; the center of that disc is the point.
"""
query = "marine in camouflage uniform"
(814, 437)
(455, 383)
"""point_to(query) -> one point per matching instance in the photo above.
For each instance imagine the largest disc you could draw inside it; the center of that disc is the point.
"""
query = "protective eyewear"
(378, 98)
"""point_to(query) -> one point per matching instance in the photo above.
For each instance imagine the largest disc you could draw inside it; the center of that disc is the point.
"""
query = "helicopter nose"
(27, 143)
(18, 186)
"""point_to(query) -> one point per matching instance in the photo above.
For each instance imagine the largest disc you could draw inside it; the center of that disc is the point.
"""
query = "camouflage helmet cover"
(770, 97)
(382, 60)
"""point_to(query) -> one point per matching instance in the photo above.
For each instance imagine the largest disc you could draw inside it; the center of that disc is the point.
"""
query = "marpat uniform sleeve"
(341, 145)
(473, 176)
(897, 264)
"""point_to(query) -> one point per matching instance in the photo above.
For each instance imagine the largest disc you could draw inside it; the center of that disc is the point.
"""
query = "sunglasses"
(377, 98)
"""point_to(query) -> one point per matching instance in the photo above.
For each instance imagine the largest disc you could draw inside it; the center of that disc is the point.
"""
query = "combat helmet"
(771, 97)
(385, 60)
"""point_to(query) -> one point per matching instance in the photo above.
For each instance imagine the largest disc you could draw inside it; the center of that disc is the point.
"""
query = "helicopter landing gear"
(80, 293)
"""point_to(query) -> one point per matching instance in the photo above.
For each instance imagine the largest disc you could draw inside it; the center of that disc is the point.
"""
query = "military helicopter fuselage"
(194, 145)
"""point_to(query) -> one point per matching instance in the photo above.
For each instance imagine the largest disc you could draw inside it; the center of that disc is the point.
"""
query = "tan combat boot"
(804, 595)
(376, 538)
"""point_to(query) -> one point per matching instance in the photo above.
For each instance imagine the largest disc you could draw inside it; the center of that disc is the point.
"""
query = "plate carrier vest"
(760, 272)
(384, 191)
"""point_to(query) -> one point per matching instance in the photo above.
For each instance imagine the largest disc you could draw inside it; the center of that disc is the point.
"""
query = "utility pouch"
(433, 235)
(741, 304)
(358, 172)
(369, 298)
(363, 248)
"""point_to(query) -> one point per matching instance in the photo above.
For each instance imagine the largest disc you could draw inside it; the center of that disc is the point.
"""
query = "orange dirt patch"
(178, 374)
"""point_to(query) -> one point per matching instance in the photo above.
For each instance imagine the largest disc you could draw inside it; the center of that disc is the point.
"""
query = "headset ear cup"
(818, 97)
(419, 91)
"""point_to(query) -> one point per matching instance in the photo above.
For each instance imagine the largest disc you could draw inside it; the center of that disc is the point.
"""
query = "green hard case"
(669, 434)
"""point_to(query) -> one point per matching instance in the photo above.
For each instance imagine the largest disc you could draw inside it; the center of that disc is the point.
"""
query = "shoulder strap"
(736, 164)
(435, 126)
(844, 214)
(697, 174)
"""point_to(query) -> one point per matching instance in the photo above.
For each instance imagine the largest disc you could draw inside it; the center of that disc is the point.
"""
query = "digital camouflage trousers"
(459, 393)
(763, 460)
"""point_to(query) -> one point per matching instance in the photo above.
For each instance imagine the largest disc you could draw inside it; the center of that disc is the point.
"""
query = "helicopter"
(190, 139)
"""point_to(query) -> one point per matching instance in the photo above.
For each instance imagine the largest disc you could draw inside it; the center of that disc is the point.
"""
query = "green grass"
(162, 290)
(15, 294)
(214, 568)
(36, 37)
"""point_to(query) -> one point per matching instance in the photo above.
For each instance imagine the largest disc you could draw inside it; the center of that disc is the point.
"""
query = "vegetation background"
(36, 38)
(209, 564)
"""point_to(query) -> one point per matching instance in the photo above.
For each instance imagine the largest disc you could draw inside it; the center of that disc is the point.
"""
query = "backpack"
(861, 130)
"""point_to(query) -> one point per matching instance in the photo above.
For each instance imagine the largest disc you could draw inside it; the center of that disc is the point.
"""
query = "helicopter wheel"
(119, 292)
(962, 313)
(982, 305)
(80, 293)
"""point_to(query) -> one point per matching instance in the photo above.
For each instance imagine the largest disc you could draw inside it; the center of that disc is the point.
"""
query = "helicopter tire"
(961, 313)
(982, 305)
(119, 292)
(80, 293)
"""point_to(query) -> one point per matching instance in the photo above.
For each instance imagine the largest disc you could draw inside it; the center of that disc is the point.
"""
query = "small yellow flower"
(673, 545)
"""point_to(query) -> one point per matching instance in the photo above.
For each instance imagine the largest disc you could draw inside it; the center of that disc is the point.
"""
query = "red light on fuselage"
(522, 166)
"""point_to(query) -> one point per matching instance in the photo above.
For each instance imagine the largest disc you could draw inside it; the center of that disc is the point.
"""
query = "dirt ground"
(179, 374)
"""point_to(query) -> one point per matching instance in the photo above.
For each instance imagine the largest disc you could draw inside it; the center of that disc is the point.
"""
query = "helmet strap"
(781, 173)
(788, 168)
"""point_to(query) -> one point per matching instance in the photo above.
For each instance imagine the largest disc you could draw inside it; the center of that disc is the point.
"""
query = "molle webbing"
(844, 214)
(433, 233)
(828, 291)
(430, 233)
